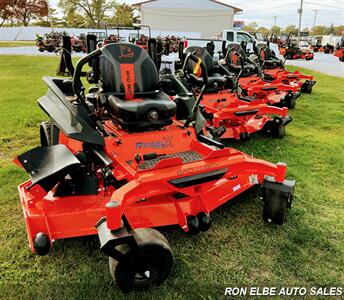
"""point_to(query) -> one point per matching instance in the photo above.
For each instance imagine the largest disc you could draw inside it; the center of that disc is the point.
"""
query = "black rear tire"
(45, 134)
(158, 254)
(275, 207)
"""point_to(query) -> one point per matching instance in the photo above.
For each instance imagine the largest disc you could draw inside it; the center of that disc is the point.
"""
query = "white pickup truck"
(230, 36)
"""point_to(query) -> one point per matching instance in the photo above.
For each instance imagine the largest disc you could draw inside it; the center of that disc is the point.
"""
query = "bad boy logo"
(164, 143)
(126, 52)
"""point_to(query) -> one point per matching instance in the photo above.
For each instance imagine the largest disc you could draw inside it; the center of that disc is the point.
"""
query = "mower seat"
(216, 81)
(266, 56)
(236, 60)
(130, 83)
(142, 114)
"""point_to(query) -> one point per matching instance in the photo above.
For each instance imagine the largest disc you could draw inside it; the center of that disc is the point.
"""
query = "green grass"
(239, 250)
(10, 44)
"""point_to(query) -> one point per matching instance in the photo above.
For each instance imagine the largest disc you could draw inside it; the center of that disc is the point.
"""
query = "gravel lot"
(325, 63)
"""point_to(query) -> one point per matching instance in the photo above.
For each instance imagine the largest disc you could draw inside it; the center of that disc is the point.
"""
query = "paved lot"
(325, 63)
(32, 51)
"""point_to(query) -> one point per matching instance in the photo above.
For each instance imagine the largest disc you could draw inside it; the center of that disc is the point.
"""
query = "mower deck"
(239, 118)
(164, 192)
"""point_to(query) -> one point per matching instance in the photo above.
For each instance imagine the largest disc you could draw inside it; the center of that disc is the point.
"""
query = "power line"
(324, 5)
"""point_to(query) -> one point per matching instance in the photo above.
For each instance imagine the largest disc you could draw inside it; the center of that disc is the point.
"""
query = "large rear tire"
(45, 135)
(158, 255)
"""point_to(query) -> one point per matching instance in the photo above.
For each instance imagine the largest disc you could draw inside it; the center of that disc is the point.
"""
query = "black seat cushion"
(142, 114)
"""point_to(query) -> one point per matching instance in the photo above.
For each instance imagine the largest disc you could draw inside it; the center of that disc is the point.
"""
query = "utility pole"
(300, 21)
(275, 17)
(315, 17)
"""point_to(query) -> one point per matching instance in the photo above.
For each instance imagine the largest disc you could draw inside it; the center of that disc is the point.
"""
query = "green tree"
(254, 25)
(276, 30)
(263, 30)
(291, 29)
(124, 15)
(330, 30)
(248, 28)
(319, 30)
(89, 12)
(45, 22)
(338, 30)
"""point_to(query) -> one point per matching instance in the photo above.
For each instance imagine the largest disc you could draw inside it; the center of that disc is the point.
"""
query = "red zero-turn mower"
(252, 83)
(274, 71)
(230, 115)
(292, 51)
(340, 50)
(115, 163)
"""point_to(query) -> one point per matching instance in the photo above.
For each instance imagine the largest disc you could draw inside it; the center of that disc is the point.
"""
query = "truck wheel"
(275, 207)
(158, 255)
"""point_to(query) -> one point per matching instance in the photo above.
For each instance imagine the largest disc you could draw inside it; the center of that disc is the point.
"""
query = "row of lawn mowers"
(138, 150)
(52, 42)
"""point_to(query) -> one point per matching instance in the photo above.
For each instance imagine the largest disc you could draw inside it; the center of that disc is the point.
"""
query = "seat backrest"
(264, 52)
(234, 55)
(127, 71)
(203, 55)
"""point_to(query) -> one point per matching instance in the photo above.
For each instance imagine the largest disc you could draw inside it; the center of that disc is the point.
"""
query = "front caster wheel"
(41, 244)
(157, 254)
(278, 131)
(275, 129)
(275, 207)
(291, 103)
(307, 88)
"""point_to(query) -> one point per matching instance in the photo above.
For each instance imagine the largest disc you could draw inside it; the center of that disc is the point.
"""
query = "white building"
(209, 17)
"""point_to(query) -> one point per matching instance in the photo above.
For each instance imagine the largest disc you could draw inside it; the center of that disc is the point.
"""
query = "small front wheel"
(275, 207)
(157, 254)
(291, 102)
(278, 131)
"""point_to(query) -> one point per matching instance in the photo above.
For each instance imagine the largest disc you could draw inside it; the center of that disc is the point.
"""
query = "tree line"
(75, 13)
(292, 29)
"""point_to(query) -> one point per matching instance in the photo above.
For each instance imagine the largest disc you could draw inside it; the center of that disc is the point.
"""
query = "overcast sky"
(263, 12)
